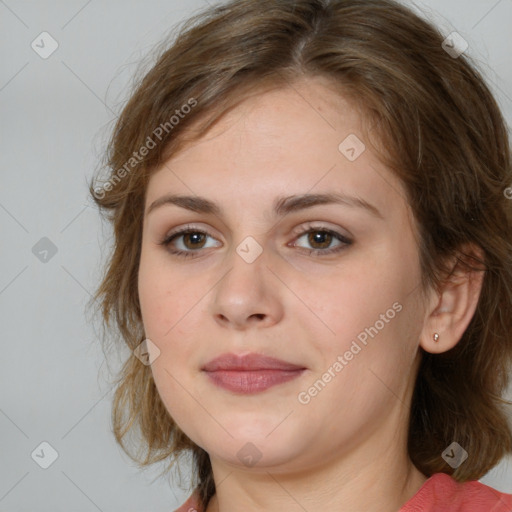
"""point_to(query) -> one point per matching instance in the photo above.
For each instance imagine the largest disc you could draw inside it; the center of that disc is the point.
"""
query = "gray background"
(55, 116)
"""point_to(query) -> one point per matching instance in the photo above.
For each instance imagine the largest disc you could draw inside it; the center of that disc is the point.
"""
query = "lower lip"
(251, 381)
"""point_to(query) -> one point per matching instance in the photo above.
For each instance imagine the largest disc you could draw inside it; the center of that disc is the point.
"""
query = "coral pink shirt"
(440, 493)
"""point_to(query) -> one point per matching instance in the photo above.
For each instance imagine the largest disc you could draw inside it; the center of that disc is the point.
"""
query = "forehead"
(289, 140)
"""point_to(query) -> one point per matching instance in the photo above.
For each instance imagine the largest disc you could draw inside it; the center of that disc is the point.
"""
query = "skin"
(346, 448)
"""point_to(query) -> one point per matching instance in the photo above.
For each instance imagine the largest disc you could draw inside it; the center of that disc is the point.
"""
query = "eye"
(321, 239)
(189, 240)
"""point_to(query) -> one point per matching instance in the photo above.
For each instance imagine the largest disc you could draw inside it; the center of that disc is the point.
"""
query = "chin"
(254, 455)
(254, 447)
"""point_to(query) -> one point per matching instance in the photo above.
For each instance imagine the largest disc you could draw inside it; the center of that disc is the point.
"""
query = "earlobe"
(452, 309)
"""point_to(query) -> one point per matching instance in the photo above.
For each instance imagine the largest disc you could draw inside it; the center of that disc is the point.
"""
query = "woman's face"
(330, 286)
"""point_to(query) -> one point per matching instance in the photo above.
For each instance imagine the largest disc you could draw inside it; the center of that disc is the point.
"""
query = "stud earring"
(436, 336)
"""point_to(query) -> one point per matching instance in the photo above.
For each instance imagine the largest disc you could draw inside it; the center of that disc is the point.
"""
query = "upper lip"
(251, 361)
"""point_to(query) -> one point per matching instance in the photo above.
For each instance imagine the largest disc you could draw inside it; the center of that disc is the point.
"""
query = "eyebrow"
(282, 205)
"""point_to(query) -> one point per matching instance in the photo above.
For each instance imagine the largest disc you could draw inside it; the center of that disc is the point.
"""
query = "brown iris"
(320, 237)
(194, 237)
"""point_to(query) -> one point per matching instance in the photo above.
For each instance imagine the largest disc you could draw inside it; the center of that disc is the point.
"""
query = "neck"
(372, 477)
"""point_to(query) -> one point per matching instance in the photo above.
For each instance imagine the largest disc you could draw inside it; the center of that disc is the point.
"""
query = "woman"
(313, 261)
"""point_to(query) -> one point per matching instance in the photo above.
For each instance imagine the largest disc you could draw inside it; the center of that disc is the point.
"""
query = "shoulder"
(191, 505)
(441, 490)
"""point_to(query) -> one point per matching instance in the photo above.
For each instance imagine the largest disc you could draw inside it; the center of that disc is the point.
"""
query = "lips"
(248, 362)
(251, 373)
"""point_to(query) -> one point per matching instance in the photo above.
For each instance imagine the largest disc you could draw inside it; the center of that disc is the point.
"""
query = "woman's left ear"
(451, 309)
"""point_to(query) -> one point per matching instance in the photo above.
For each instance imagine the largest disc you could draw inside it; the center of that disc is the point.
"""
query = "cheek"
(169, 307)
(161, 295)
(365, 369)
(369, 318)
(164, 315)
(351, 301)
(150, 293)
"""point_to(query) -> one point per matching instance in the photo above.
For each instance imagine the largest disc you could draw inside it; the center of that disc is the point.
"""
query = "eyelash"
(345, 242)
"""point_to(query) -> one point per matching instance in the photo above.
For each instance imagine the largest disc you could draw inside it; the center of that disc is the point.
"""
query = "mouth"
(251, 373)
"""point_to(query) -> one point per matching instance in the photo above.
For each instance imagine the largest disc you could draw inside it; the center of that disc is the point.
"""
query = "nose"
(248, 295)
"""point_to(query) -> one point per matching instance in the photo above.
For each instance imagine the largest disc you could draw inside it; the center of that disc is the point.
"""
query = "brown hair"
(445, 138)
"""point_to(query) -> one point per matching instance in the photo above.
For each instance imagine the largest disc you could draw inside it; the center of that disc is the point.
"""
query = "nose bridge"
(245, 293)
(246, 264)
